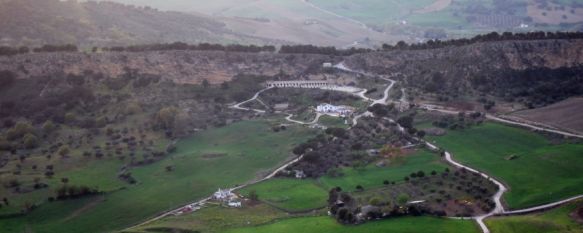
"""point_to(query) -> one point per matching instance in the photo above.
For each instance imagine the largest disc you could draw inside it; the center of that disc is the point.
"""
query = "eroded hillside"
(180, 66)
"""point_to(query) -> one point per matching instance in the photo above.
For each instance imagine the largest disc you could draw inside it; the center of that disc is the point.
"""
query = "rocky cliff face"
(179, 66)
(517, 55)
(537, 72)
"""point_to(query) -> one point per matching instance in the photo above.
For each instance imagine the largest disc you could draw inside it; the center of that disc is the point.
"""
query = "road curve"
(316, 119)
(495, 118)
(238, 106)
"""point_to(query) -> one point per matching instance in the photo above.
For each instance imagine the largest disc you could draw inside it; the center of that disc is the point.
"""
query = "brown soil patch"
(435, 6)
(553, 13)
(462, 105)
(566, 115)
(577, 215)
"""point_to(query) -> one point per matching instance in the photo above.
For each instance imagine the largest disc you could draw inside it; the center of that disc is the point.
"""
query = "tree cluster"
(312, 49)
(199, 47)
(493, 36)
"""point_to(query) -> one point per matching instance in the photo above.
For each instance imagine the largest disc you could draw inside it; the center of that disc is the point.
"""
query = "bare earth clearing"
(566, 115)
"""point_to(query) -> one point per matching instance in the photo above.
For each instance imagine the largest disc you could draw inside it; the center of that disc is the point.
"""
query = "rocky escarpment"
(179, 66)
(536, 72)
(518, 55)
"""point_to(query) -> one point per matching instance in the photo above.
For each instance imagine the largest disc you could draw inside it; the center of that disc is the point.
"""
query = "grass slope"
(246, 147)
(290, 194)
(554, 221)
(541, 173)
(397, 225)
(215, 219)
(373, 176)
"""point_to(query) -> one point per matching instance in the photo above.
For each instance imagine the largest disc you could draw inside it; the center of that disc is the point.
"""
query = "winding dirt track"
(498, 209)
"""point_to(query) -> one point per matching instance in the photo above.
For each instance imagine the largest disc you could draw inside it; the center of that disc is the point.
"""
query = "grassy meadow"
(328, 224)
(292, 195)
(213, 159)
(536, 170)
(553, 221)
(397, 169)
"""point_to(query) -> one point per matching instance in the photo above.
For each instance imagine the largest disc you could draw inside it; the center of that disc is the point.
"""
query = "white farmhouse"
(234, 204)
(223, 194)
(334, 110)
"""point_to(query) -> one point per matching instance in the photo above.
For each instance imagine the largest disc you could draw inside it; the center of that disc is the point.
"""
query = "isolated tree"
(30, 141)
(253, 195)
(224, 86)
(20, 129)
(63, 151)
(205, 83)
(375, 201)
(48, 126)
(70, 118)
(166, 117)
(402, 199)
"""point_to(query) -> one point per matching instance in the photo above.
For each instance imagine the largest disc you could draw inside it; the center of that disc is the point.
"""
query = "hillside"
(38, 22)
(565, 115)
(178, 66)
(332, 22)
(535, 73)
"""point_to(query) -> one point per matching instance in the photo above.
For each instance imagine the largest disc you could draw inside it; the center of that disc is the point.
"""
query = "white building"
(235, 204)
(223, 195)
(327, 65)
(334, 110)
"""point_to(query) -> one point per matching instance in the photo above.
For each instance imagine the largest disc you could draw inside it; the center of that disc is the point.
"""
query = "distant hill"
(36, 22)
(340, 22)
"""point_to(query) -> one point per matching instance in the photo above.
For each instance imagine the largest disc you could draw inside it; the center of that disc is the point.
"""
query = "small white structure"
(234, 204)
(334, 110)
(522, 25)
(300, 174)
(223, 195)
(327, 65)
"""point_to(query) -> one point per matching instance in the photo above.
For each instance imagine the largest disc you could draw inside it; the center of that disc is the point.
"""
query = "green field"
(373, 11)
(553, 221)
(372, 176)
(216, 219)
(540, 171)
(215, 158)
(400, 225)
(332, 122)
(292, 195)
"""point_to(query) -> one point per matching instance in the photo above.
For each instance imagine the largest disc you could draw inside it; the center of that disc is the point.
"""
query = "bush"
(30, 141)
